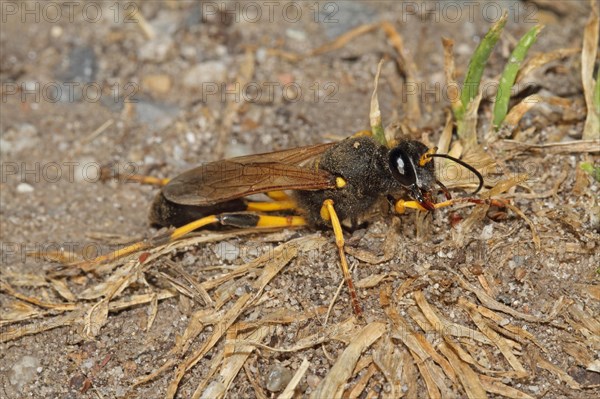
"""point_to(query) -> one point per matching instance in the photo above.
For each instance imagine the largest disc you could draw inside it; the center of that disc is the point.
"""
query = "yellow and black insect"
(327, 183)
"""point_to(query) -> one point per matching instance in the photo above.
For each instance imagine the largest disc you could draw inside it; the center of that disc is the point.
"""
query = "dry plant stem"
(375, 112)
(407, 65)
(450, 72)
(588, 59)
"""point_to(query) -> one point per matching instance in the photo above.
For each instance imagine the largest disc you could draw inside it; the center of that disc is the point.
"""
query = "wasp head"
(414, 169)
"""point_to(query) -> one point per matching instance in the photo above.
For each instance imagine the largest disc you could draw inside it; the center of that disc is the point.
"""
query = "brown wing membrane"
(238, 177)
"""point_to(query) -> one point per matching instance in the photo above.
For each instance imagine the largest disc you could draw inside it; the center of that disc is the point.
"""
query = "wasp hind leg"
(272, 206)
(328, 213)
(233, 219)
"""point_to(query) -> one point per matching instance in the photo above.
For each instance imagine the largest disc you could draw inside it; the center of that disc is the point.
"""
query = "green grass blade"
(477, 65)
(510, 73)
(594, 171)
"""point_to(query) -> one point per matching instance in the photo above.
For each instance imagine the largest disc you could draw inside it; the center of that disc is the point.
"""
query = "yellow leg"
(278, 196)
(401, 205)
(328, 213)
(141, 245)
(271, 206)
(266, 221)
(240, 220)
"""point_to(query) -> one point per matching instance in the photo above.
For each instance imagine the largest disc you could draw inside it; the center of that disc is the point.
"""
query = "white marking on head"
(400, 165)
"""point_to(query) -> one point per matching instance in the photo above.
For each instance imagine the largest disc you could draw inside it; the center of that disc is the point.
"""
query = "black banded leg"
(328, 213)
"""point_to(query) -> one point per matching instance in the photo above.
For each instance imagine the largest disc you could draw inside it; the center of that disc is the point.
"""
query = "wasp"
(320, 185)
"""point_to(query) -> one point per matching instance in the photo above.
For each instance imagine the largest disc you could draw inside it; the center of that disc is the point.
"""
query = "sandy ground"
(100, 88)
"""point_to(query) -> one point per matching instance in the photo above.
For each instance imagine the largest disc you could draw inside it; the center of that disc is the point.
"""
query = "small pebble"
(190, 137)
(487, 232)
(227, 251)
(278, 377)
(313, 381)
(534, 388)
(83, 66)
(157, 84)
(296, 34)
(56, 31)
(210, 72)
(156, 50)
(24, 188)
(520, 273)
(157, 116)
(24, 371)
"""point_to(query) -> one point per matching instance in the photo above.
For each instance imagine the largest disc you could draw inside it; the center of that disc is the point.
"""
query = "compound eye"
(402, 167)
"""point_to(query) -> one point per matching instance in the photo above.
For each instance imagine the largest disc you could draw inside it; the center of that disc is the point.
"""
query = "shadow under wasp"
(319, 185)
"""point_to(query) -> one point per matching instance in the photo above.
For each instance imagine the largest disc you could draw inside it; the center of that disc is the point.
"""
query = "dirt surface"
(90, 86)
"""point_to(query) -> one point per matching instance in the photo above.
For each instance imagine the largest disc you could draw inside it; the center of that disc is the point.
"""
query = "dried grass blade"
(494, 337)
(361, 384)
(585, 318)
(491, 303)
(516, 113)
(494, 385)
(333, 384)
(5, 287)
(408, 67)
(579, 146)
(450, 72)
(375, 112)
(467, 125)
(541, 59)
(534, 233)
(444, 326)
(152, 311)
(561, 374)
(515, 333)
(233, 363)
(467, 377)
(337, 331)
(276, 260)
(430, 382)
(10, 334)
(389, 359)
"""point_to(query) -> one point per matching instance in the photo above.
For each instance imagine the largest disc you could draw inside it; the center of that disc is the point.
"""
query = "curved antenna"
(465, 165)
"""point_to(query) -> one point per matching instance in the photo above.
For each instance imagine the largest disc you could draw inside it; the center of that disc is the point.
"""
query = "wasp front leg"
(328, 213)
(400, 206)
